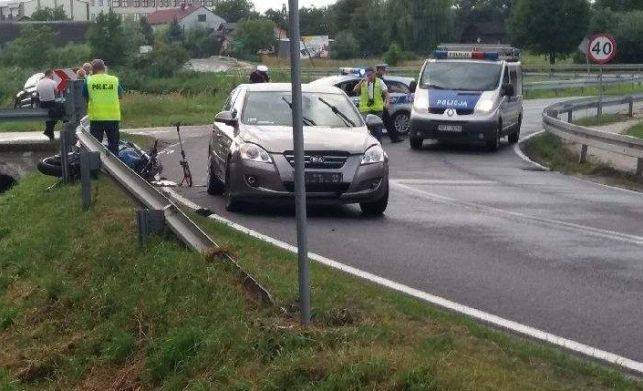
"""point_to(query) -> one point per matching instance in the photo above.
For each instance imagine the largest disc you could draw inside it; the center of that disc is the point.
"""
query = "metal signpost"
(601, 49)
(300, 184)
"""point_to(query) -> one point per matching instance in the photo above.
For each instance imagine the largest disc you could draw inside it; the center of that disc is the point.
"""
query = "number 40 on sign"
(602, 48)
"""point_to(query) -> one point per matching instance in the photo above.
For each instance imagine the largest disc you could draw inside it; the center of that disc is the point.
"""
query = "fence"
(617, 143)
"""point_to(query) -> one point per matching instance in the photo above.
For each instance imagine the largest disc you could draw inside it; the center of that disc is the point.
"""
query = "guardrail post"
(639, 167)
(66, 142)
(570, 116)
(630, 110)
(89, 163)
(150, 221)
(583, 154)
(599, 108)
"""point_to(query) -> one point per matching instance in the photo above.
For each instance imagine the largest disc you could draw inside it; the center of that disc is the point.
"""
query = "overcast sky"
(262, 5)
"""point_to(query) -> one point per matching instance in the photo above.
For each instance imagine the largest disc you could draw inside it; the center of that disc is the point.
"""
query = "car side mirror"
(413, 86)
(374, 122)
(508, 90)
(227, 117)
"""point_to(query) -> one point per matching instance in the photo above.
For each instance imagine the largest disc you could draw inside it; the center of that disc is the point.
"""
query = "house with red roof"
(188, 16)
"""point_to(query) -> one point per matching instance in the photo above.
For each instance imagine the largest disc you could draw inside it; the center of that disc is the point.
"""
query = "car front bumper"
(257, 181)
(473, 129)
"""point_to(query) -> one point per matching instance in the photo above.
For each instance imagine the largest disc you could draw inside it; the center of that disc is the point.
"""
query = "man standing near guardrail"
(46, 89)
(103, 93)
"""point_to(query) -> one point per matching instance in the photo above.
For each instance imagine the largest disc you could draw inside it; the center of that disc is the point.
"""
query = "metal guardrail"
(617, 143)
(24, 115)
(178, 222)
(582, 82)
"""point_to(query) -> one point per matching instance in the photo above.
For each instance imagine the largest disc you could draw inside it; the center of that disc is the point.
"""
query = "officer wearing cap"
(380, 71)
(260, 75)
(374, 99)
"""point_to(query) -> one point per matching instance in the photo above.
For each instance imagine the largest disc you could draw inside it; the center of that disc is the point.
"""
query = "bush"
(345, 47)
(31, 48)
(394, 56)
(200, 43)
(163, 61)
(69, 56)
(254, 35)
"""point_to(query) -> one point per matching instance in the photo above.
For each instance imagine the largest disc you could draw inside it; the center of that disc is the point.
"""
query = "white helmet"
(262, 68)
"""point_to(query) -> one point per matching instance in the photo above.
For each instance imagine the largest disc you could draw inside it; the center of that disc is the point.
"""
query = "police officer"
(103, 93)
(374, 99)
(260, 75)
(380, 71)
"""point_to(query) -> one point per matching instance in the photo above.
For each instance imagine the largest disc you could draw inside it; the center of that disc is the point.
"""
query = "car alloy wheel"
(401, 122)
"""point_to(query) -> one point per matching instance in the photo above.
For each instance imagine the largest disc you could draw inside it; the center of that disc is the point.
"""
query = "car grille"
(320, 159)
(440, 111)
(325, 188)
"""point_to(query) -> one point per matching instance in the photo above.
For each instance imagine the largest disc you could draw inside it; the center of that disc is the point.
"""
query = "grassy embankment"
(636, 130)
(84, 306)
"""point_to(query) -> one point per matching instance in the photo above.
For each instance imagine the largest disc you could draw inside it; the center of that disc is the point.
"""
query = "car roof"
(279, 87)
(332, 80)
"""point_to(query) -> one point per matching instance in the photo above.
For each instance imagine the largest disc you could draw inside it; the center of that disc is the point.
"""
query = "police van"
(468, 94)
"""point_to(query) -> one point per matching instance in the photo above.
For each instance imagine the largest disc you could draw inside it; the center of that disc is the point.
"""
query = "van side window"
(505, 77)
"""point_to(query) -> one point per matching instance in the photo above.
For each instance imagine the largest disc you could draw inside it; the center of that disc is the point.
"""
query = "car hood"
(279, 139)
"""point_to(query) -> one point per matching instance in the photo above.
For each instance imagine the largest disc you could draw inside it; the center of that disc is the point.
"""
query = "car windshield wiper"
(307, 121)
(338, 113)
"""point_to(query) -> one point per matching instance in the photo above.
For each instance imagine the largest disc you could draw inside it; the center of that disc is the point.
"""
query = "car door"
(399, 94)
(508, 103)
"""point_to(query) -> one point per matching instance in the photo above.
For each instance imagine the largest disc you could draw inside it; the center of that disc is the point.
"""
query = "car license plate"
(450, 128)
(323, 178)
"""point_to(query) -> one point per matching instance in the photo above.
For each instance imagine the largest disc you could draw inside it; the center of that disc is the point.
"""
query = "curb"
(521, 154)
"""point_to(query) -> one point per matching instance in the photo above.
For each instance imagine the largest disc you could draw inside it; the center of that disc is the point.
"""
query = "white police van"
(468, 94)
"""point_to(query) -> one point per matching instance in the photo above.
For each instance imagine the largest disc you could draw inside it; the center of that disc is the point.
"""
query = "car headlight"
(249, 151)
(485, 106)
(421, 102)
(374, 154)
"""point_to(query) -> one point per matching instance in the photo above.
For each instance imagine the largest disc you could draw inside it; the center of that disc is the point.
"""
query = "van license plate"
(450, 128)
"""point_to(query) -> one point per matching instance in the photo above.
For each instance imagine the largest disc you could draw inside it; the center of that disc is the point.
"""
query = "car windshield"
(461, 76)
(272, 108)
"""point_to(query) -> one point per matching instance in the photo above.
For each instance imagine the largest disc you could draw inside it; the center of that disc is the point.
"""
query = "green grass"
(636, 130)
(141, 110)
(605, 119)
(621, 89)
(91, 309)
(549, 150)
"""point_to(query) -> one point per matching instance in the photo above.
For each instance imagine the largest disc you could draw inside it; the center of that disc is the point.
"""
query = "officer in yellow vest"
(103, 93)
(374, 99)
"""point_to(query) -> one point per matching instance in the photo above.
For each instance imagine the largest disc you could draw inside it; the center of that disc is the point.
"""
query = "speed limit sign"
(602, 48)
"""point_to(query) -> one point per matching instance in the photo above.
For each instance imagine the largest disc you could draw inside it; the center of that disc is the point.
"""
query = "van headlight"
(421, 102)
(485, 106)
(249, 151)
(374, 154)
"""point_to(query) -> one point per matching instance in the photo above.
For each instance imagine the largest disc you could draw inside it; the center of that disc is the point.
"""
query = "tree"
(174, 32)
(345, 47)
(49, 14)
(254, 35)
(147, 31)
(280, 17)
(107, 40)
(394, 55)
(620, 5)
(200, 43)
(314, 21)
(31, 48)
(235, 10)
(551, 27)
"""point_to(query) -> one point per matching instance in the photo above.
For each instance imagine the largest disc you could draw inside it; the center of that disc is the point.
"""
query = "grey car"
(401, 90)
(251, 149)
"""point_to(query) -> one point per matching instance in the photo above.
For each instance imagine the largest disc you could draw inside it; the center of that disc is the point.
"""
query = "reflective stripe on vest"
(103, 104)
(378, 100)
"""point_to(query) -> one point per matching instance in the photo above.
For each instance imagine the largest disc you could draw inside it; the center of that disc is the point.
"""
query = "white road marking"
(603, 233)
(449, 182)
(486, 317)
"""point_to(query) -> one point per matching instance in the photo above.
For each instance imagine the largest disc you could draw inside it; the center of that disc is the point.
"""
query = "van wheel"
(494, 144)
(375, 208)
(515, 136)
(416, 142)
(215, 186)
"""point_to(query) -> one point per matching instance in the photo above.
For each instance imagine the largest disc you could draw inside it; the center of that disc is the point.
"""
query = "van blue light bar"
(452, 55)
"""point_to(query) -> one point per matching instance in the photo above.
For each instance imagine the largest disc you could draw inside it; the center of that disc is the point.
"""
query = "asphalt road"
(485, 230)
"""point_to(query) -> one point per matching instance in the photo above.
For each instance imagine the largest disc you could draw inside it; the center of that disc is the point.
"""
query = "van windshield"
(461, 76)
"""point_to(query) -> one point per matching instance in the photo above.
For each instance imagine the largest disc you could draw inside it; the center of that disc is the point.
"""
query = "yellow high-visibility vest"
(104, 104)
(378, 100)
